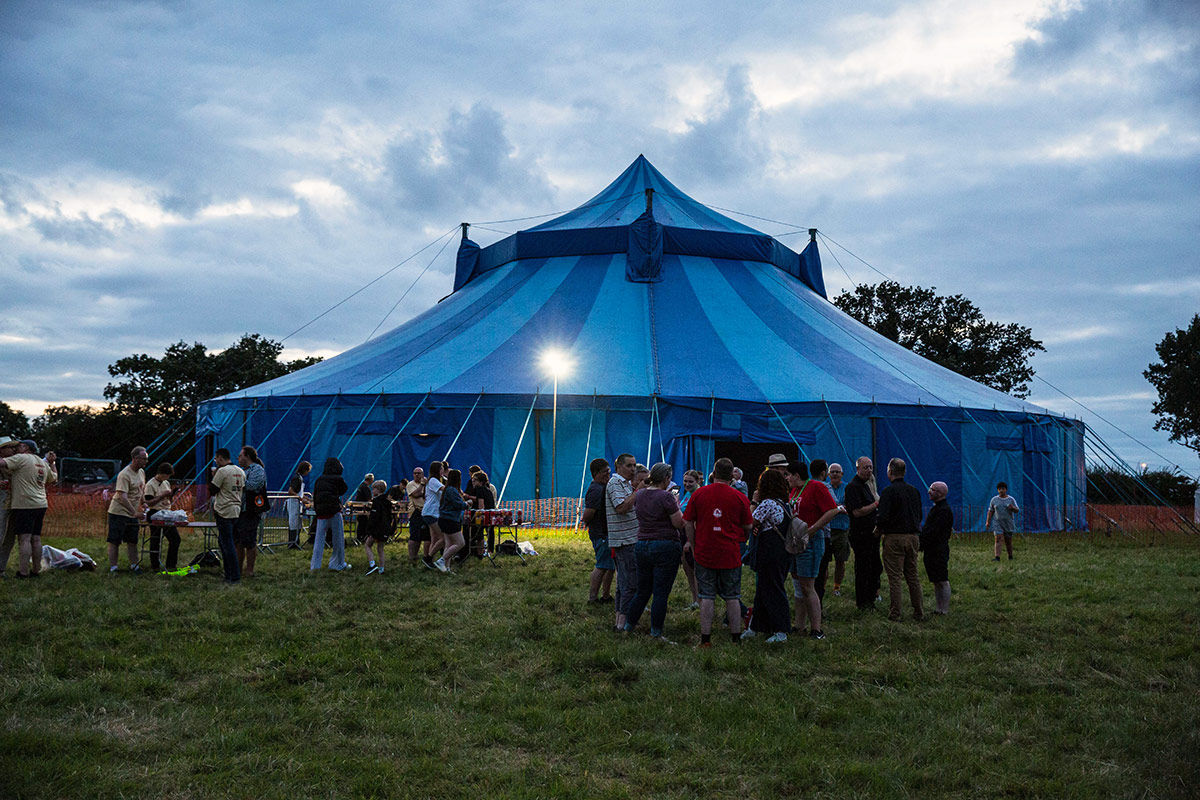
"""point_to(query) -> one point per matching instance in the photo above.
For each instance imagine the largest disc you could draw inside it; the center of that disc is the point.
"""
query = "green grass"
(1070, 672)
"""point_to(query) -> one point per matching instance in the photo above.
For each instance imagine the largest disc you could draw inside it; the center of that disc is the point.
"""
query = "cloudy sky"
(196, 170)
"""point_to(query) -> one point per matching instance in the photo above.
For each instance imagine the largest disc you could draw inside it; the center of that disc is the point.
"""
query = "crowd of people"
(643, 527)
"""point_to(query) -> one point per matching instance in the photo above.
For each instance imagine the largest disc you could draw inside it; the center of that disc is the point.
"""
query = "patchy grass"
(1069, 672)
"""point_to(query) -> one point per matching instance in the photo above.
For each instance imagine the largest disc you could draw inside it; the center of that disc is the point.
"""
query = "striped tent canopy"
(685, 332)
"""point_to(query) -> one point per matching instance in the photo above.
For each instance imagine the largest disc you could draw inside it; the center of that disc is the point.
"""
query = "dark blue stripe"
(559, 320)
(835, 360)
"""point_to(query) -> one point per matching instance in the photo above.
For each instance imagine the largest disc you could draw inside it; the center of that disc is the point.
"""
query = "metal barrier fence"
(83, 514)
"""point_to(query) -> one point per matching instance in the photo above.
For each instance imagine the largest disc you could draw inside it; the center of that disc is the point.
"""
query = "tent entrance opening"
(752, 457)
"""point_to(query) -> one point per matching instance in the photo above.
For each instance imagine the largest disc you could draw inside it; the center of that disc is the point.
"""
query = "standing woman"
(327, 505)
(450, 516)
(770, 598)
(431, 510)
(246, 539)
(158, 498)
(658, 549)
(692, 480)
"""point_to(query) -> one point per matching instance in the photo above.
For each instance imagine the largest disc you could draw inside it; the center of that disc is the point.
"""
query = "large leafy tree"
(153, 395)
(187, 374)
(91, 432)
(951, 331)
(13, 422)
(1176, 376)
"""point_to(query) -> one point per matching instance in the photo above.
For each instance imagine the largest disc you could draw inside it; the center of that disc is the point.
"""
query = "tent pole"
(358, 427)
(288, 477)
(587, 446)
(803, 455)
(400, 430)
(516, 452)
(462, 428)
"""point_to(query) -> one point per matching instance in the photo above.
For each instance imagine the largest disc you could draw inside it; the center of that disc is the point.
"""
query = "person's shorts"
(245, 531)
(808, 563)
(418, 528)
(28, 522)
(839, 544)
(937, 565)
(604, 559)
(1007, 534)
(723, 583)
(122, 529)
(450, 524)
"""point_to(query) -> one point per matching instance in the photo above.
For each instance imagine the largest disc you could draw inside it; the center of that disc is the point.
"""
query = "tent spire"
(650, 202)
(812, 234)
(464, 225)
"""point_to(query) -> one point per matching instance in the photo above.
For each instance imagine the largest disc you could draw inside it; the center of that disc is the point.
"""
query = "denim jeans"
(657, 565)
(337, 560)
(229, 559)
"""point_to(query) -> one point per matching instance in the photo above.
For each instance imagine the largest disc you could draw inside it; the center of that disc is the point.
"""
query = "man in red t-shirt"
(718, 520)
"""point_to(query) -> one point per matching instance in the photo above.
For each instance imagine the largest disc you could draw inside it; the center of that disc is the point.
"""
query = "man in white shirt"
(225, 489)
(622, 532)
(125, 509)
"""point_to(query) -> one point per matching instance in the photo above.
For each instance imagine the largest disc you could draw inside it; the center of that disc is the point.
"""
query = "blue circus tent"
(687, 333)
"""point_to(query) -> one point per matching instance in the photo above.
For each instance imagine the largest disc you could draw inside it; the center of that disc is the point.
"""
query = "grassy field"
(1072, 671)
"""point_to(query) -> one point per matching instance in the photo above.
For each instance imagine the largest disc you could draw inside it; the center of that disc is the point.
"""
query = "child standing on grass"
(379, 525)
(1001, 518)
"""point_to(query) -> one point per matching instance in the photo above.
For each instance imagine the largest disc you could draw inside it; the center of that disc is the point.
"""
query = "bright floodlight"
(556, 362)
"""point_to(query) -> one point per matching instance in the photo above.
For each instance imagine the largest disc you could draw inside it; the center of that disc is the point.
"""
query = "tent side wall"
(512, 437)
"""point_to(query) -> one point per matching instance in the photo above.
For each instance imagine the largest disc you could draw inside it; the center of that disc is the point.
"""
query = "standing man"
(295, 504)
(899, 524)
(717, 520)
(595, 516)
(839, 533)
(225, 489)
(1002, 518)
(28, 476)
(621, 521)
(124, 510)
(8, 447)
(935, 545)
(418, 530)
(861, 506)
(246, 538)
(738, 483)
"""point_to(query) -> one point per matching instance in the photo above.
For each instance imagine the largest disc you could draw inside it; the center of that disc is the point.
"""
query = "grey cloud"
(730, 142)
(478, 164)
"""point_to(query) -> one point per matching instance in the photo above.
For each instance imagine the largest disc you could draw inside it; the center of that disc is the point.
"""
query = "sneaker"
(997, 558)
(694, 607)
(816, 634)
(837, 590)
(748, 634)
(777, 638)
(427, 562)
(136, 569)
(440, 565)
(662, 639)
(1010, 558)
(373, 570)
